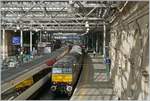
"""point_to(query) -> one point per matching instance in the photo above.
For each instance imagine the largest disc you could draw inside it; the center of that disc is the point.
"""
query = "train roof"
(76, 49)
(66, 60)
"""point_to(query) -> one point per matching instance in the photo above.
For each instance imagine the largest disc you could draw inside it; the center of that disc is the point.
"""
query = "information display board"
(16, 40)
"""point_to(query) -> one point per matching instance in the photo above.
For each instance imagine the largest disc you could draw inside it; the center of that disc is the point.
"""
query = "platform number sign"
(16, 40)
(107, 61)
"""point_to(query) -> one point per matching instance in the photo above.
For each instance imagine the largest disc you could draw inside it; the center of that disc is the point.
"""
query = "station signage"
(107, 61)
(16, 40)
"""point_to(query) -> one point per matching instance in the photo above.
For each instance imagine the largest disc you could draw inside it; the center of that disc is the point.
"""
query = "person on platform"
(94, 53)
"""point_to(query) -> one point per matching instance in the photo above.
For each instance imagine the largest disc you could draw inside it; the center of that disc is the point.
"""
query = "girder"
(56, 18)
(62, 12)
(71, 24)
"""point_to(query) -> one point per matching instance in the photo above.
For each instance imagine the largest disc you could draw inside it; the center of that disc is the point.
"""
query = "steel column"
(3, 44)
(104, 36)
(40, 36)
(21, 38)
(21, 41)
(97, 44)
(0, 38)
(30, 41)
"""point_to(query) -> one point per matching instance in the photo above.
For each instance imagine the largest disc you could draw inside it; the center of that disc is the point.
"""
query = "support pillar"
(40, 36)
(30, 41)
(93, 46)
(0, 38)
(88, 38)
(21, 41)
(93, 41)
(86, 41)
(97, 42)
(48, 36)
(3, 44)
(84, 38)
(104, 36)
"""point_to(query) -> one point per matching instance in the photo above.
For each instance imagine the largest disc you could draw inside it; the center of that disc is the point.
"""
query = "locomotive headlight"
(69, 88)
(74, 65)
(54, 83)
(53, 88)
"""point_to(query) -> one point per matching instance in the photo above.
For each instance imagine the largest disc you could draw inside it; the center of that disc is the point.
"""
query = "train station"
(74, 50)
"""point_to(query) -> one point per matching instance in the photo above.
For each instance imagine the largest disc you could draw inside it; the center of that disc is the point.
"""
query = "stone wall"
(129, 51)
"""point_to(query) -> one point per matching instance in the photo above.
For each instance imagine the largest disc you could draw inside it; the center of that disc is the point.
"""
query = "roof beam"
(57, 19)
(52, 0)
(60, 29)
(56, 23)
(59, 12)
(90, 12)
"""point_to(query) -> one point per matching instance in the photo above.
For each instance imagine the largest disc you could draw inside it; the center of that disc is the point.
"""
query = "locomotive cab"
(62, 79)
(65, 72)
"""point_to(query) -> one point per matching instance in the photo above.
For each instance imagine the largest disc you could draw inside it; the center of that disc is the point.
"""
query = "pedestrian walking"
(94, 53)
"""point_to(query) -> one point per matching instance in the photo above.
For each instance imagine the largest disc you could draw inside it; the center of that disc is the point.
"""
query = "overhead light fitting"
(70, 2)
(86, 24)
(36, 30)
(87, 29)
(18, 27)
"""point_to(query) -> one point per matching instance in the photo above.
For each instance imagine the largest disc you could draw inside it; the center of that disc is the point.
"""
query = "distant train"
(65, 72)
(57, 44)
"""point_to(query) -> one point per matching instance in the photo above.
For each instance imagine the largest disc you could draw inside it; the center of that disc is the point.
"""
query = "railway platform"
(43, 44)
(33, 69)
(94, 83)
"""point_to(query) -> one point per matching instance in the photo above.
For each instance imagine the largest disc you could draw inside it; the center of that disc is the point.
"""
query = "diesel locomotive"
(65, 72)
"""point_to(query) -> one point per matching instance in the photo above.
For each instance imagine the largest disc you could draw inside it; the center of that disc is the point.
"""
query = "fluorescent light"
(86, 24)
(18, 27)
(36, 30)
(87, 29)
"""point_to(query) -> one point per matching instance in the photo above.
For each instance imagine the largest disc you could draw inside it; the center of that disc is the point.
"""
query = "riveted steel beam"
(57, 19)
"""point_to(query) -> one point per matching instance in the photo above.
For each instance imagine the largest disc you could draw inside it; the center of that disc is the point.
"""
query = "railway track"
(44, 93)
(8, 87)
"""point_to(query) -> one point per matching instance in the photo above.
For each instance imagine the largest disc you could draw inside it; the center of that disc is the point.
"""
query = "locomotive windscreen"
(59, 70)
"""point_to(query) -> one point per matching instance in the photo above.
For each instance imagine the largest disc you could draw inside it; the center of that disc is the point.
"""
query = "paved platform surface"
(94, 83)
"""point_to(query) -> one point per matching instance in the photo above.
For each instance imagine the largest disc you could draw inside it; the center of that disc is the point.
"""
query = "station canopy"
(57, 15)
